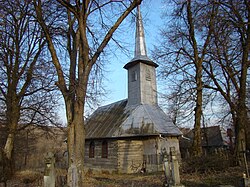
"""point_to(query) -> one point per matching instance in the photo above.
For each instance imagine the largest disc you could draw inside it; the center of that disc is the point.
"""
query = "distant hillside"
(33, 142)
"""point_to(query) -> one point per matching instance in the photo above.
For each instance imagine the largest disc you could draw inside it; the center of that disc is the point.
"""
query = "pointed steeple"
(142, 87)
(140, 53)
(140, 44)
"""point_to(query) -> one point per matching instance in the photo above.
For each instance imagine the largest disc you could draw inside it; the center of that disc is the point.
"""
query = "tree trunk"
(241, 122)
(13, 115)
(240, 141)
(80, 67)
(76, 141)
(241, 127)
(197, 147)
(76, 137)
(9, 145)
(241, 119)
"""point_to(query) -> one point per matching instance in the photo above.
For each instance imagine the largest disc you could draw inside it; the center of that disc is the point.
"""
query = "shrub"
(28, 176)
(205, 164)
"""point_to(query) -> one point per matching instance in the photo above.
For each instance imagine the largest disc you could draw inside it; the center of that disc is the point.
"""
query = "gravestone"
(171, 169)
(72, 175)
(49, 171)
(175, 166)
(245, 181)
(166, 165)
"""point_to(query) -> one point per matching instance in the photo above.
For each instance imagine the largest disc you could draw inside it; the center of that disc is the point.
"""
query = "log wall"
(99, 164)
(130, 156)
(153, 149)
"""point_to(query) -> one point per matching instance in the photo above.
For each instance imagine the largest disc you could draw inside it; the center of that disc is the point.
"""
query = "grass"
(125, 180)
(230, 176)
(209, 177)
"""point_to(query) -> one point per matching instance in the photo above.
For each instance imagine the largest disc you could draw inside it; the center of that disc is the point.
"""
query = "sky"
(117, 75)
(115, 81)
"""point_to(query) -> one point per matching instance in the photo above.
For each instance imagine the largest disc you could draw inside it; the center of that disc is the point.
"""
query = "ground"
(230, 176)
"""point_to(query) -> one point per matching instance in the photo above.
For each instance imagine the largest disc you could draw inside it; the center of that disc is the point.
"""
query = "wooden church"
(129, 136)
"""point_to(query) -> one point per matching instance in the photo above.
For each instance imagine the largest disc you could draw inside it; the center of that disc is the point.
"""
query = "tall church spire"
(140, 44)
(141, 71)
(140, 53)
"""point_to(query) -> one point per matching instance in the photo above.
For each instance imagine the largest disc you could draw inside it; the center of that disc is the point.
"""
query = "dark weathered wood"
(130, 156)
(98, 163)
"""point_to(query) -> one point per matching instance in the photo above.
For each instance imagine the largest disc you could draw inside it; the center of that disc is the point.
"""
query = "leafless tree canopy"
(26, 90)
(83, 29)
(217, 35)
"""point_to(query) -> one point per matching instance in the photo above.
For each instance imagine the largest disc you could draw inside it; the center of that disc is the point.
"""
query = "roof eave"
(135, 136)
(133, 62)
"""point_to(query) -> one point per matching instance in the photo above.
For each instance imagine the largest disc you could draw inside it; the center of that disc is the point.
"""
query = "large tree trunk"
(13, 115)
(241, 122)
(197, 147)
(8, 150)
(241, 127)
(9, 145)
(76, 141)
(241, 117)
(240, 139)
(80, 66)
(76, 134)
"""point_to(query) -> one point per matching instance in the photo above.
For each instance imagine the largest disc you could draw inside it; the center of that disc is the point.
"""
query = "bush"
(28, 176)
(205, 164)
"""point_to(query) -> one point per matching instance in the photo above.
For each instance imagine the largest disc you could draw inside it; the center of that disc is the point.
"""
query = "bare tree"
(224, 29)
(84, 46)
(228, 64)
(188, 38)
(178, 103)
(25, 88)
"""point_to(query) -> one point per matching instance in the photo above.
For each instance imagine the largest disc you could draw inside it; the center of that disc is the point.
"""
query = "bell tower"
(141, 70)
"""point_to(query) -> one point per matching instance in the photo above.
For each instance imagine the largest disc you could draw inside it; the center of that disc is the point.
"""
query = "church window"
(92, 149)
(134, 76)
(148, 75)
(104, 149)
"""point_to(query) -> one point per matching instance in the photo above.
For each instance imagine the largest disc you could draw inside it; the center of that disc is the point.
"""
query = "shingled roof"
(212, 136)
(119, 120)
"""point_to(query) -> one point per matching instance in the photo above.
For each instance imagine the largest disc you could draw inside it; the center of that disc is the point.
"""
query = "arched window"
(92, 149)
(104, 149)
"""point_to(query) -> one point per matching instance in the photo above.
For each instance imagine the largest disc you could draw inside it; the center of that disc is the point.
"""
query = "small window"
(104, 149)
(134, 76)
(92, 149)
(148, 76)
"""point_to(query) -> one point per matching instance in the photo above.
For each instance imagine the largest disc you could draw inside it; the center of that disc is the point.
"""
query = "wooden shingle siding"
(153, 159)
(130, 156)
(98, 163)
